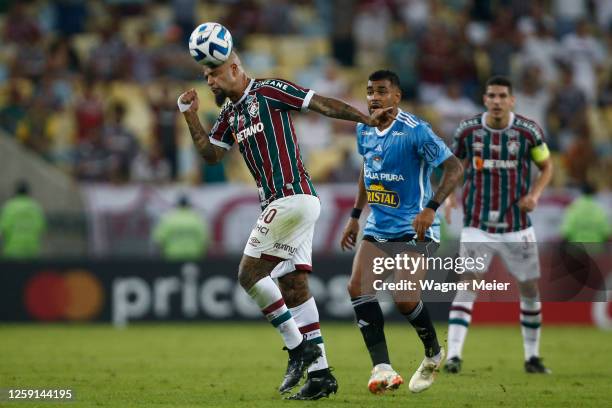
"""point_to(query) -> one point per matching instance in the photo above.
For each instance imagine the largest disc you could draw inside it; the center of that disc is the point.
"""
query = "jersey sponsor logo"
(481, 164)
(528, 125)
(477, 146)
(397, 133)
(366, 133)
(276, 84)
(512, 133)
(253, 106)
(285, 247)
(493, 220)
(262, 229)
(382, 176)
(378, 195)
(250, 131)
(480, 133)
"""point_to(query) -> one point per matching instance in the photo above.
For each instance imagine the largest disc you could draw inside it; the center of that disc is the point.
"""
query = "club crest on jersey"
(377, 194)
(513, 146)
(376, 163)
(253, 106)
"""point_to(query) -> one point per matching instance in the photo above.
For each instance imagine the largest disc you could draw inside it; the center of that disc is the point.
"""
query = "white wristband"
(183, 107)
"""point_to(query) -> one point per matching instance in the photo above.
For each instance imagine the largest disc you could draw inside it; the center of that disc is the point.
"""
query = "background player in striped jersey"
(258, 119)
(399, 157)
(498, 147)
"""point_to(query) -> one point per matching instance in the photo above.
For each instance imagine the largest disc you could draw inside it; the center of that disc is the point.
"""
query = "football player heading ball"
(257, 119)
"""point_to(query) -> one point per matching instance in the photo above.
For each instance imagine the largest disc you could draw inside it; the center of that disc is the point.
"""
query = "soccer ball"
(210, 44)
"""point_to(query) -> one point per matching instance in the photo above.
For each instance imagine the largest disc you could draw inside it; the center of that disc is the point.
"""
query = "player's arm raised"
(452, 175)
(337, 109)
(349, 235)
(188, 104)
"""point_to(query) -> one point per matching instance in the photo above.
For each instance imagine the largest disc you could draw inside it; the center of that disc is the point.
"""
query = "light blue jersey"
(398, 162)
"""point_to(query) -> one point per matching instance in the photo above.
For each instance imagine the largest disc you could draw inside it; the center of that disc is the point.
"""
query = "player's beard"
(220, 98)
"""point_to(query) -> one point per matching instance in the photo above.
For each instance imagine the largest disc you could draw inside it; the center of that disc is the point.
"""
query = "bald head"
(233, 59)
(227, 80)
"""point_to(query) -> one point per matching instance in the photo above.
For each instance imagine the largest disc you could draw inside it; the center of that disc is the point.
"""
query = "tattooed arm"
(451, 177)
(337, 109)
(210, 153)
(452, 174)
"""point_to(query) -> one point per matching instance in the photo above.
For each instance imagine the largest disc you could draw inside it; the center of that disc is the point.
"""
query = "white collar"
(484, 123)
(246, 92)
(386, 130)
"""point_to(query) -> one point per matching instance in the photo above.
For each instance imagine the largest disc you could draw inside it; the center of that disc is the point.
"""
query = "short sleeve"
(359, 138)
(537, 135)
(430, 147)
(538, 150)
(221, 133)
(286, 95)
(458, 147)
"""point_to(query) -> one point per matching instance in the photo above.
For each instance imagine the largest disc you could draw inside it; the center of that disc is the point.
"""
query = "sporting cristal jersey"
(398, 162)
(498, 171)
(260, 122)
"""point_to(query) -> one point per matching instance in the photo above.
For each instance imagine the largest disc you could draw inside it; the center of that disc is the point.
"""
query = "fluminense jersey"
(260, 122)
(498, 171)
(398, 162)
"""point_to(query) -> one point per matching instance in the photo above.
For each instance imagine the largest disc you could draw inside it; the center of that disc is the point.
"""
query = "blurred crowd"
(91, 86)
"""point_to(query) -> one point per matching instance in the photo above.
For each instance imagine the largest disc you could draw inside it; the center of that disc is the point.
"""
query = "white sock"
(269, 299)
(531, 320)
(306, 316)
(459, 320)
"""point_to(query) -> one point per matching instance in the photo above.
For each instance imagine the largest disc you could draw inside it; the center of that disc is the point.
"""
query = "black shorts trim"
(404, 243)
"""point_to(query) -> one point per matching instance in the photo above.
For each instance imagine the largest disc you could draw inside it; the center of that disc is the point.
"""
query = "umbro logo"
(254, 241)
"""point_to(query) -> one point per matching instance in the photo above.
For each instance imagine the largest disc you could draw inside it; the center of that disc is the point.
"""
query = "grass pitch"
(241, 364)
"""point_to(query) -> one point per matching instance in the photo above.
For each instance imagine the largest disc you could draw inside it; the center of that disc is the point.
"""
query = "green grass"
(240, 365)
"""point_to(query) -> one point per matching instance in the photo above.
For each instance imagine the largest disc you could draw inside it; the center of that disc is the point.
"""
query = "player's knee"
(248, 273)
(243, 276)
(529, 289)
(405, 307)
(354, 288)
(294, 288)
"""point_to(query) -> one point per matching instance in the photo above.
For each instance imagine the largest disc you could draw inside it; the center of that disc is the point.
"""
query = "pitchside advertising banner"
(575, 287)
(121, 217)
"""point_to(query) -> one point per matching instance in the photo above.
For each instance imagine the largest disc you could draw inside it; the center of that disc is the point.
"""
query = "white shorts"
(284, 233)
(518, 250)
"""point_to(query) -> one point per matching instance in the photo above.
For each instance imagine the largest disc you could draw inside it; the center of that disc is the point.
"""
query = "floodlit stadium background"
(88, 117)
